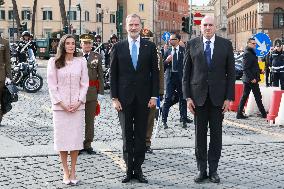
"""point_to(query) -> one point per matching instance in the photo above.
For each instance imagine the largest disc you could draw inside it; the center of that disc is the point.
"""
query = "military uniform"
(147, 34)
(96, 86)
(277, 65)
(5, 67)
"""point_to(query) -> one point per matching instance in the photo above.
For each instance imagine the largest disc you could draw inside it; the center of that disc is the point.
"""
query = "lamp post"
(102, 13)
(42, 23)
(13, 32)
(79, 9)
(69, 18)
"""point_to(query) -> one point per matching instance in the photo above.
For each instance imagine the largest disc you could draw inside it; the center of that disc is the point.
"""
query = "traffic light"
(2, 2)
(185, 24)
(65, 29)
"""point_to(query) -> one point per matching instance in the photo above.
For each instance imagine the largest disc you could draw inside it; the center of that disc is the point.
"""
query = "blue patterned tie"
(207, 53)
(134, 54)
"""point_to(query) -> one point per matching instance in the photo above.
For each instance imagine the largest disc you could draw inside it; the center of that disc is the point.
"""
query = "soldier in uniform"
(277, 62)
(148, 35)
(5, 68)
(96, 86)
(99, 46)
(23, 46)
(113, 40)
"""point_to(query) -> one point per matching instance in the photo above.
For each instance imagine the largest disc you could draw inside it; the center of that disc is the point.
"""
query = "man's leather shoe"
(214, 177)
(165, 125)
(200, 177)
(241, 116)
(149, 150)
(184, 125)
(90, 151)
(127, 178)
(140, 177)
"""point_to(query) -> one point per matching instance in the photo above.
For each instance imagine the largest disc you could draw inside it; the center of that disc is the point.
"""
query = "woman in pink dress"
(68, 82)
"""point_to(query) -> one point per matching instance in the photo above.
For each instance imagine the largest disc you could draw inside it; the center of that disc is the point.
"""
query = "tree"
(63, 13)
(33, 17)
(16, 15)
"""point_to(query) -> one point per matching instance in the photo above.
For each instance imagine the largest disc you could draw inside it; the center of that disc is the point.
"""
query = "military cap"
(277, 42)
(87, 38)
(145, 33)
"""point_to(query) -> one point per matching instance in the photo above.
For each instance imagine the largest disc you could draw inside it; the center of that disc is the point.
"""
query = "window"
(141, 7)
(278, 18)
(87, 16)
(2, 15)
(72, 14)
(99, 5)
(47, 15)
(112, 18)
(10, 14)
(99, 17)
(26, 15)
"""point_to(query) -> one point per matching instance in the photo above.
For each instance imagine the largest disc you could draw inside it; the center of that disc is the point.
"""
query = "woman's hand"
(74, 107)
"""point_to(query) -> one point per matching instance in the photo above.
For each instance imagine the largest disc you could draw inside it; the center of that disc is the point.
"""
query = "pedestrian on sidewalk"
(5, 69)
(173, 65)
(68, 81)
(96, 87)
(134, 86)
(251, 77)
(209, 86)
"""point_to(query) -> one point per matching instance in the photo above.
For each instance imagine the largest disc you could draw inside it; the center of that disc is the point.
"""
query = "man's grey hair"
(133, 16)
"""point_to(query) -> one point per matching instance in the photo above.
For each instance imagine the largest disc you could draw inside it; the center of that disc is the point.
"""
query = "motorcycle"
(24, 74)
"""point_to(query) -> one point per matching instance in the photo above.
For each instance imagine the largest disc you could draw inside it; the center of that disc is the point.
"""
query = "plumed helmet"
(26, 33)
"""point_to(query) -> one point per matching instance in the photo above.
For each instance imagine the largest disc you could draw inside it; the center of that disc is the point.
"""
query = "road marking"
(243, 126)
(115, 158)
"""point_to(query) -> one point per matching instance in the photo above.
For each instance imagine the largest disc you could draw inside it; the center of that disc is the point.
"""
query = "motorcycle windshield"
(31, 54)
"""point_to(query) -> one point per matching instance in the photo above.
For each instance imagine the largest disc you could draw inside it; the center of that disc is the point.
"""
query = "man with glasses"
(173, 66)
(251, 77)
(208, 86)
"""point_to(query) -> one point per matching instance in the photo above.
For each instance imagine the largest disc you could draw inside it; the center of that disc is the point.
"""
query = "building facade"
(247, 17)
(204, 10)
(220, 15)
(96, 15)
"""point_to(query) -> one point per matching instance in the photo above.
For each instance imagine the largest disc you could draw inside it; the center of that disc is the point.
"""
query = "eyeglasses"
(208, 25)
(253, 43)
(173, 39)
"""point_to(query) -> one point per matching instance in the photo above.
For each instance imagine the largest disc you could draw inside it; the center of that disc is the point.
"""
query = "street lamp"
(42, 23)
(79, 9)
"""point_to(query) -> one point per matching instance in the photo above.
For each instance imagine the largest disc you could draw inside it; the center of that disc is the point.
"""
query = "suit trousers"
(133, 120)
(174, 84)
(150, 125)
(90, 109)
(208, 113)
(2, 84)
(254, 87)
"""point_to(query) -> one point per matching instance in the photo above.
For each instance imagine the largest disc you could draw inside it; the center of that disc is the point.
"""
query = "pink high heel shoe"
(74, 182)
(66, 181)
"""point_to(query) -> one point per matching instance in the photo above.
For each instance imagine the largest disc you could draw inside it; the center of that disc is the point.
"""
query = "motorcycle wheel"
(33, 84)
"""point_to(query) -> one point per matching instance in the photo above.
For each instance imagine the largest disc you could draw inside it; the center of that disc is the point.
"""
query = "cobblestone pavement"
(252, 155)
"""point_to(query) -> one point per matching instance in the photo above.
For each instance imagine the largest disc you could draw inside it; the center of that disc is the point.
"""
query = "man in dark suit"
(208, 86)
(251, 77)
(134, 86)
(173, 65)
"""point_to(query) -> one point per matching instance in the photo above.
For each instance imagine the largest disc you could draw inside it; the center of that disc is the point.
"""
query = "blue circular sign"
(263, 44)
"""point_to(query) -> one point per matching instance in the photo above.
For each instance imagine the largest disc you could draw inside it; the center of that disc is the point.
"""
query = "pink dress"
(69, 85)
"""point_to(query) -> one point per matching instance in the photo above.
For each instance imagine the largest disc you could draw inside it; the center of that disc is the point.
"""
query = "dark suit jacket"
(5, 65)
(250, 66)
(168, 66)
(126, 82)
(199, 80)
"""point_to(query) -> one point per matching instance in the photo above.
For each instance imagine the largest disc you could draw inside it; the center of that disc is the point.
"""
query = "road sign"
(197, 17)
(263, 44)
(166, 36)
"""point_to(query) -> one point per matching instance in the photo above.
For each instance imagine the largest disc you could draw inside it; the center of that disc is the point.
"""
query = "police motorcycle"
(24, 74)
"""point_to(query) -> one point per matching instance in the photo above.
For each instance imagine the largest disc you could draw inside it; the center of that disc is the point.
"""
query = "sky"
(199, 2)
